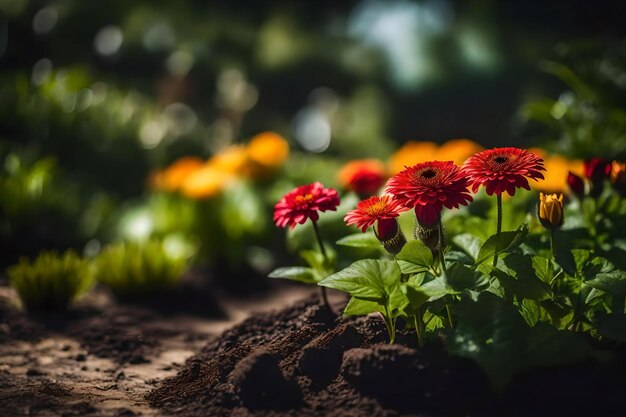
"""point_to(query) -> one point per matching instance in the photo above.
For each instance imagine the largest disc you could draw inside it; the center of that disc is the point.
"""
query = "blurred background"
(185, 121)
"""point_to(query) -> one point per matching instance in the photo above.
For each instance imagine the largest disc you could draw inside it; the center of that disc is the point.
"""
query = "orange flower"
(206, 182)
(364, 176)
(173, 176)
(618, 175)
(457, 150)
(412, 153)
(232, 159)
(557, 171)
(269, 150)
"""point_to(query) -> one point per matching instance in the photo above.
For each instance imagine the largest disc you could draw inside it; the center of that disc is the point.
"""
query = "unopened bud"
(576, 184)
(550, 210)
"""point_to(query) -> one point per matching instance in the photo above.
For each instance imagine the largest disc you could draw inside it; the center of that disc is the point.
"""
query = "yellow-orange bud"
(551, 210)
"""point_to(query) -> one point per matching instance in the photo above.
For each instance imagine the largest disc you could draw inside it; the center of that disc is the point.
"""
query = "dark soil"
(304, 361)
(103, 356)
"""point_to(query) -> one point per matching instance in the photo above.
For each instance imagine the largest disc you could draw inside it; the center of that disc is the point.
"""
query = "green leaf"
(369, 279)
(359, 307)
(322, 266)
(397, 301)
(416, 297)
(295, 273)
(612, 282)
(494, 334)
(470, 244)
(459, 277)
(414, 257)
(437, 288)
(612, 326)
(543, 268)
(517, 276)
(505, 242)
(360, 240)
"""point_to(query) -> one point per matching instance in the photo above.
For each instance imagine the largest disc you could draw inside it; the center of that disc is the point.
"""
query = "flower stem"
(449, 311)
(552, 243)
(498, 229)
(318, 236)
(441, 245)
(390, 325)
(419, 327)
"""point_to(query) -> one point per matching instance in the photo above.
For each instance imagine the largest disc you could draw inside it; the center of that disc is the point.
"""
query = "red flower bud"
(576, 184)
(597, 169)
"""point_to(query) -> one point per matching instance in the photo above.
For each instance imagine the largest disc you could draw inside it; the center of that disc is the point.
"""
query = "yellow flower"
(232, 159)
(268, 149)
(206, 182)
(412, 153)
(551, 210)
(557, 169)
(457, 150)
(173, 176)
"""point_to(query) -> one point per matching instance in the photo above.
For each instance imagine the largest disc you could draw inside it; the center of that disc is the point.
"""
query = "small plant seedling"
(51, 282)
(135, 270)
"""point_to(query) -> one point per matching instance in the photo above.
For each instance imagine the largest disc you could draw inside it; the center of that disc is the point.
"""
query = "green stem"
(419, 327)
(391, 329)
(498, 228)
(552, 243)
(441, 245)
(449, 311)
(318, 236)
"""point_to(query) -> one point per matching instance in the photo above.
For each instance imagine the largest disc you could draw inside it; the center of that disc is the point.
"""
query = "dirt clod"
(260, 383)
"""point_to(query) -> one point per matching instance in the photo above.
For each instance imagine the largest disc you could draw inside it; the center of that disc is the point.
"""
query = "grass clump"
(51, 282)
(135, 270)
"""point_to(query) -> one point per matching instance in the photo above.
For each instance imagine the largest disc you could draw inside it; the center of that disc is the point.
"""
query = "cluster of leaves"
(52, 281)
(588, 118)
(530, 309)
(132, 269)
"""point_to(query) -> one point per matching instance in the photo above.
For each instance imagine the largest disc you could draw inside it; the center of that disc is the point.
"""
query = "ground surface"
(102, 358)
(242, 359)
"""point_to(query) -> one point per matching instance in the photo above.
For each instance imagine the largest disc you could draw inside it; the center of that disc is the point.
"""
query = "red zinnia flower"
(503, 169)
(382, 209)
(430, 186)
(364, 176)
(304, 203)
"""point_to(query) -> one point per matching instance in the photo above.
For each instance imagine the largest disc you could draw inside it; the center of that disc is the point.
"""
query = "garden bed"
(304, 361)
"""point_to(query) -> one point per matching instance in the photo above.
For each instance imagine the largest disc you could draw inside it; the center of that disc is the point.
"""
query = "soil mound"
(304, 361)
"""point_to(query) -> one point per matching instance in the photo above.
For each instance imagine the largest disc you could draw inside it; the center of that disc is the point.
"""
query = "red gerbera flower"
(382, 209)
(365, 176)
(304, 203)
(430, 186)
(503, 169)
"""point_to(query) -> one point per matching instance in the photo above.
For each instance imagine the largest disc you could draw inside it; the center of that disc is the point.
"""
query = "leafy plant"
(51, 282)
(133, 269)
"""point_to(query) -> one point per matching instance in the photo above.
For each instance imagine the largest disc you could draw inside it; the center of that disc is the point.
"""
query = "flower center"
(304, 199)
(429, 173)
(501, 159)
(377, 208)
